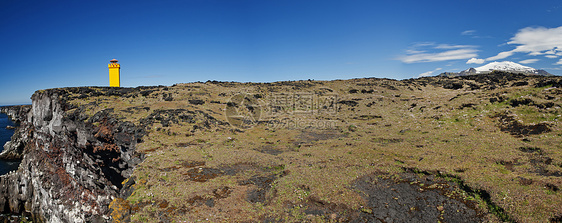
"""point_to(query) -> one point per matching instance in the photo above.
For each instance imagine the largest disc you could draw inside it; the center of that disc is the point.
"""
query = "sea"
(5, 136)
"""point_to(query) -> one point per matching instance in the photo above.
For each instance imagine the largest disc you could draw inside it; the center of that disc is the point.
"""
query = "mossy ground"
(202, 168)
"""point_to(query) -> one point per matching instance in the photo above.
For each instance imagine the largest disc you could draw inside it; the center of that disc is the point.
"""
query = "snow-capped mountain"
(507, 66)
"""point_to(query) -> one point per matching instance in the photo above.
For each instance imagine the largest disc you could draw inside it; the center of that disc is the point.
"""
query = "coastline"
(7, 129)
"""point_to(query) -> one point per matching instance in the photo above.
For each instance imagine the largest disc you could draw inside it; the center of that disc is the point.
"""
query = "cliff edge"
(13, 149)
(72, 167)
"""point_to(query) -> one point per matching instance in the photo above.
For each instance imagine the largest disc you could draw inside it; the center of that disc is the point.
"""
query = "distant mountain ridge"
(507, 66)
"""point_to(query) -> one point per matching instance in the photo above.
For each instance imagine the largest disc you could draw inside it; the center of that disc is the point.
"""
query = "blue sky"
(49, 44)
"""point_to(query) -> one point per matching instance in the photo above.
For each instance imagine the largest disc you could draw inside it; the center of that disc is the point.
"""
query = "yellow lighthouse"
(114, 79)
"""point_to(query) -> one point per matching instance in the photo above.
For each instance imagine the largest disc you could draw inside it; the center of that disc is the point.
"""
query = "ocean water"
(5, 135)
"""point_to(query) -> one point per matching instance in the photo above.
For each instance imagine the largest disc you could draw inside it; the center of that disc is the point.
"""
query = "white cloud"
(441, 56)
(468, 32)
(475, 61)
(426, 74)
(559, 62)
(528, 61)
(537, 39)
(422, 52)
(450, 64)
(448, 46)
(500, 56)
(429, 73)
(551, 56)
(415, 51)
(534, 41)
(473, 34)
(422, 44)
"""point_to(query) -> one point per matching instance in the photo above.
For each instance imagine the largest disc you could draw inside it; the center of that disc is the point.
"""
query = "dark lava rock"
(514, 127)
(467, 105)
(263, 184)
(176, 116)
(454, 86)
(498, 99)
(348, 103)
(545, 105)
(146, 93)
(530, 150)
(168, 97)
(411, 198)
(196, 102)
(518, 102)
(520, 83)
(545, 83)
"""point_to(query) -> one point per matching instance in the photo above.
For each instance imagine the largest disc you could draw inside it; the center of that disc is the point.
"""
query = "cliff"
(13, 149)
(17, 113)
(72, 167)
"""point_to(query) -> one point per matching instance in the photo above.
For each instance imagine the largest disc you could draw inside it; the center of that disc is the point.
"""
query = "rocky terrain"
(449, 149)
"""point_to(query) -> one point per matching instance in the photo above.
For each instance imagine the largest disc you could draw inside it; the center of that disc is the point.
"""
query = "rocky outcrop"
(13, 149)
(72, 166)
(17, 113)
(470, 71)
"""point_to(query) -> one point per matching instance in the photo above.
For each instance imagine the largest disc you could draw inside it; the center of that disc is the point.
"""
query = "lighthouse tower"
(114, 79)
